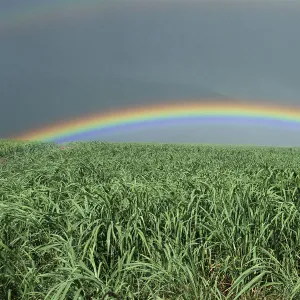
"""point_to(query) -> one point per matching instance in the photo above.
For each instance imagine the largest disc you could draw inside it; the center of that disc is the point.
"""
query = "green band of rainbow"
(158, 112)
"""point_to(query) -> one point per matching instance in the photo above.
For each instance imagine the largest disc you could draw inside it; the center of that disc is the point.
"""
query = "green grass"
(149, 221)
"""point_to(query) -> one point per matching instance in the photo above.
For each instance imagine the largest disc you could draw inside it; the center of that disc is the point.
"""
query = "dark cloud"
(142, 52)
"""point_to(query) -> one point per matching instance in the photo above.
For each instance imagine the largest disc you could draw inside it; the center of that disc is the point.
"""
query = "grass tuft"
(148, 221)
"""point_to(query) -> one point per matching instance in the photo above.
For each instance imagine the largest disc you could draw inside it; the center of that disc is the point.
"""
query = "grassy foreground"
(149, 221)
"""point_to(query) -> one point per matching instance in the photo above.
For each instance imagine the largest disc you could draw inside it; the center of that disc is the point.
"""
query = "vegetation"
(148, 221)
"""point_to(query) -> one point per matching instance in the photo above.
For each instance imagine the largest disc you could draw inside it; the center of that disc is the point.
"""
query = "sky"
(67, 59)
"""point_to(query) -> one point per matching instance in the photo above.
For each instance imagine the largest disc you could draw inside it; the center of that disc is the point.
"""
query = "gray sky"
(128, 53)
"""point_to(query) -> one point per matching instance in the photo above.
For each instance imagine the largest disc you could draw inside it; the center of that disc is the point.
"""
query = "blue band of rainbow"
(209, 109)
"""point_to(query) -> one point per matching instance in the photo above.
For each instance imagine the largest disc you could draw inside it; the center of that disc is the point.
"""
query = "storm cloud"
(142, 52)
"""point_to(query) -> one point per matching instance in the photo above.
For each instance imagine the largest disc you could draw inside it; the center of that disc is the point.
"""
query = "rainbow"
(43, 11)
(161, 114)
(27, 15)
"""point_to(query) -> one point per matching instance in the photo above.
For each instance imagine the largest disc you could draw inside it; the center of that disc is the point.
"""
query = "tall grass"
(149, 221)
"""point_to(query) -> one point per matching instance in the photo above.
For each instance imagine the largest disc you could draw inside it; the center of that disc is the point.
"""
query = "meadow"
(148, 221)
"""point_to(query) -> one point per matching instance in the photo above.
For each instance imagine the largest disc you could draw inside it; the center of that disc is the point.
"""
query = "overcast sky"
(63, 65)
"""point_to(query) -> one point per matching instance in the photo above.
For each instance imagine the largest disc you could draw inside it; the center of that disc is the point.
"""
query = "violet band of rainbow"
(160, 114)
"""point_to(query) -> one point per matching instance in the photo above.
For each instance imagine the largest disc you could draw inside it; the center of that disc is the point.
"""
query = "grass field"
(149, 221)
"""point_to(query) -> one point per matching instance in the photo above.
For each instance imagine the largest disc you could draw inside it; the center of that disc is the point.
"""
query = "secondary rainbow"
(27, 14)
(176, 112)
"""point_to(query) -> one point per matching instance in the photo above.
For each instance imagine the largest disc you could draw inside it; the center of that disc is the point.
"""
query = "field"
(149, 221)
